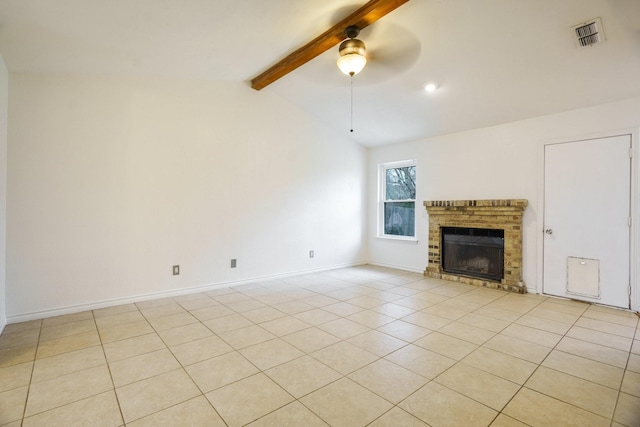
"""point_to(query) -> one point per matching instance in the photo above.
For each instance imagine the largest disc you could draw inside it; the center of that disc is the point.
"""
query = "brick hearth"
(494, 214)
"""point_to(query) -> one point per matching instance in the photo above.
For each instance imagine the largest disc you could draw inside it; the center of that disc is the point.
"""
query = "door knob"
(548, 231)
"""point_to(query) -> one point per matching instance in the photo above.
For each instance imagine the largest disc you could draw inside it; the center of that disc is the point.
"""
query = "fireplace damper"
(475, 252)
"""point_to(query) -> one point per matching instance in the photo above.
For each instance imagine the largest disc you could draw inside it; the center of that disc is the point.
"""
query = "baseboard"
(165, 294)
(396, 267)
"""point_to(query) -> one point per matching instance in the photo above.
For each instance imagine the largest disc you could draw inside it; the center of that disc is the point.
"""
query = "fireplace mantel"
(504, 214)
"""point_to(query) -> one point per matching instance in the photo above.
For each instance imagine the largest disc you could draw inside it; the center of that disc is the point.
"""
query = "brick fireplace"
(503, 215)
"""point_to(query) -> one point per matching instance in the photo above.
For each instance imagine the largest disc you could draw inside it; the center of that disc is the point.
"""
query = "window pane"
(401, 183)
(399, 218)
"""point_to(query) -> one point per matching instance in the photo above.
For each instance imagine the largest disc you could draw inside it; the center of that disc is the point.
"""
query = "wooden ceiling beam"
(361, 18)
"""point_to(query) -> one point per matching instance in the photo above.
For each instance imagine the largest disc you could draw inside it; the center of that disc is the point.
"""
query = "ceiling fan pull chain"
(352, 103)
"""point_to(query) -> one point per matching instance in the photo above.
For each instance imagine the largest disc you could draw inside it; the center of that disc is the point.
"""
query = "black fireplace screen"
(475, 252)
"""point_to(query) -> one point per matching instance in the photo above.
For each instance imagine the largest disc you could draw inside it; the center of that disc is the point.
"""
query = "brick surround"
(495, 214)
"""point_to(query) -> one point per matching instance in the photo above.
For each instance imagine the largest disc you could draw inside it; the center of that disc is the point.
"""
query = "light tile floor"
(350, 347)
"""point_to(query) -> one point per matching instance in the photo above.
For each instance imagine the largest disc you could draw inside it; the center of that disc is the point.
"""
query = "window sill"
(398, 238)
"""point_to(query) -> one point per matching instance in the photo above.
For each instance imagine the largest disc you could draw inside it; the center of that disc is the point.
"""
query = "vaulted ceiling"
(495, 61)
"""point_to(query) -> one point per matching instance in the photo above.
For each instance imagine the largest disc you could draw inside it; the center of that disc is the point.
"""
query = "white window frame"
(382, 191)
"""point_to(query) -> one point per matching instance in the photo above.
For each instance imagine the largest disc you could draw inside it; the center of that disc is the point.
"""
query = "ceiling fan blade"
(392, 49)
(361, 18)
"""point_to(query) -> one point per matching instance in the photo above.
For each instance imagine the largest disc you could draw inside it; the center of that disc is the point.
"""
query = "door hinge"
(631, 153)
(629, 222)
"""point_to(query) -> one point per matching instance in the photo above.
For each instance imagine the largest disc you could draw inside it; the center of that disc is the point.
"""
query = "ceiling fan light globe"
(351, 64)
(431, 87)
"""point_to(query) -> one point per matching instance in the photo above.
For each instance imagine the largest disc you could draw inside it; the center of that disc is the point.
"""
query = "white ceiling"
(496, 61)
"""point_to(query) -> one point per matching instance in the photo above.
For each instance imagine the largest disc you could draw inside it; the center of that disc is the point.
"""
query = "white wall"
(111, 181)
(500, 162)
(4, 99)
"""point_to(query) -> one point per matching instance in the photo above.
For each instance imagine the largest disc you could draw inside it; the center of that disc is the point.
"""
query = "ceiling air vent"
(588, 33)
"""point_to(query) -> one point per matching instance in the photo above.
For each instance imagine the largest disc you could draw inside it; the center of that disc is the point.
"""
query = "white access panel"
(583, 277)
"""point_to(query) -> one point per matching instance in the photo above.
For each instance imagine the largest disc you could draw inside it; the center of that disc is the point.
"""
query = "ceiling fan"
(346, 28)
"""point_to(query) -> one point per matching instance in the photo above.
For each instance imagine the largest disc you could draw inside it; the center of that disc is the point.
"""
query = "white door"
(587, 190)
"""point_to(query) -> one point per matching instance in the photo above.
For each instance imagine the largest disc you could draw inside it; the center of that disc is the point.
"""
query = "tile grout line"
(33, 367)
(615, 407)
(106, 361)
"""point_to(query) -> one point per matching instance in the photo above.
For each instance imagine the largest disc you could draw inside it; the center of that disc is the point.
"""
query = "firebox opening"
(475, 252)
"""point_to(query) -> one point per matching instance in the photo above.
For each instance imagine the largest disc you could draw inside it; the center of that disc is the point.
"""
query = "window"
(397, 214)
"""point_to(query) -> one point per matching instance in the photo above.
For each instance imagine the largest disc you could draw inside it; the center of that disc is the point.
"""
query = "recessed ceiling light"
(431, 87)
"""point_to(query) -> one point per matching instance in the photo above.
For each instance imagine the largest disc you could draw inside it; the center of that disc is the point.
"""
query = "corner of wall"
(4, 103)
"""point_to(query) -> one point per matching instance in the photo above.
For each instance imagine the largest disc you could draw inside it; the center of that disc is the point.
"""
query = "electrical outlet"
(176, 270)
(311, 254)
(233, 263)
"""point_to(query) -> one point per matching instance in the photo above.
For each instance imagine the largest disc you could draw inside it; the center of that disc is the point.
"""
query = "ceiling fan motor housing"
(351, 46)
